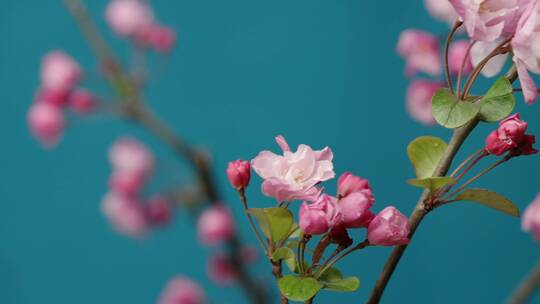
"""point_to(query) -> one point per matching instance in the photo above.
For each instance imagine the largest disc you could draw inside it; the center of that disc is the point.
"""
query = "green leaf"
(348, 284)
(299, 289)
(287, 255)
(425, 152)
(275, 223)
(499, 101)
(490, 199)
(431, 183)
(331, 275)
(450, 112)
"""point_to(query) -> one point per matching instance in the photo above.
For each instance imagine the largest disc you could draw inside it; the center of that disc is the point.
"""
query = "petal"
(481, 50)
(530, 91)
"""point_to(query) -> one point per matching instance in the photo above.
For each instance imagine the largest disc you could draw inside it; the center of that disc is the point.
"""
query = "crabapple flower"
(126, 182)
(55, 97)
(293, 175)
(525, 147)
(127, 17)
(354, 208)
(130, 155)
(126, 214)
(59, 72)
(215, 225)
(349, 183)
(182, 290)
(82, 101)
(220, 270)
(317, 217)
(442, 10)
(457, 54)
(46, 123)
(507, 136)
(530, 221)
(159, 210)
(161, 38)
(239, 173)
(420, 51)
(480, 50)
(389, 228)
(419, 94)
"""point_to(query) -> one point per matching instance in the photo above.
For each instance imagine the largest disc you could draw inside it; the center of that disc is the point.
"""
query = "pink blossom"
(46, 123)
(349, 183)
(159, 210)
(125, 214)
(317, 217)
(480, 50)
(182, 290)
(457, 55)
(55, 97)
(419, 96)
(389, 228)
(420, 51)
(508, 135)
(293, 175)
(530, 221)
(159, 37)
(59, 72)
(127, 17)
(442, 10)
(127, 182)
(82, 101)
(239, 173)
(354, 209)
(220, 269)
(215, 225)
(128, 154)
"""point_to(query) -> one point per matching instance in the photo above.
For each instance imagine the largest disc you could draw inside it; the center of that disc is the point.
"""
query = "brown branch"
(129, 93)
(527, 287)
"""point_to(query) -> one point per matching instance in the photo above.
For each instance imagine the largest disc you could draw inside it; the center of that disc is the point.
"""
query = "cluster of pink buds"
(135, 20)
(60, 76)
(510, 137)
(182, 290)
(124, 205)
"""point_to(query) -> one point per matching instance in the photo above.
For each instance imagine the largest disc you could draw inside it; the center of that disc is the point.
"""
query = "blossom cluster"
(510, 137)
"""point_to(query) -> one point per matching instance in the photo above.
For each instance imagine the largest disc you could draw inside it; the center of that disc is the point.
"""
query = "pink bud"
(349, 183)
(317, 218)
(55, 97)
(530, 221)
(389, 228)
(220, 269)
(126, 17)
(508, 135)
(239, 173)
(127, 182)
(59, 71)
(125, 214)
(215, 225)
(159, 210)
(46, 123)
(419, 94)
(128, 154)
(456, 55)
(354, 209)
(82, 101)
(182, 290)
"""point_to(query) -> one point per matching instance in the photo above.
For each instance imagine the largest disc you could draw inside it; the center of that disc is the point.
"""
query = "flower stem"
(462, 68)
(527, 287)
(446, 48)
(329, 263)
(243, 198)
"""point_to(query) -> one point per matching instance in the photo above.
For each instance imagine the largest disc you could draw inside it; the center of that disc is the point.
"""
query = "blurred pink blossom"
(457, 55)
(127, 17)
(125, 214)
(59, 72)
(82, 101)
(46, 123)
(220, 270)
(215, 225)
(159, 210)
(420, 51)
(419, 96)
(130, 155)
(182, 290)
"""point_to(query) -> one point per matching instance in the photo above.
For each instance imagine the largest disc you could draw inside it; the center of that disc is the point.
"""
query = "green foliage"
(498, 102)
(490, 199)
(425, 152)
(450, 112)
(286, 255)
(345, 285)
(430, 183)
(299, 289)
(275, 223)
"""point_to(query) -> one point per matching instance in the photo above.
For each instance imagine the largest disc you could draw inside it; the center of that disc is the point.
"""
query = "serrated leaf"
(285, 254)
(275, 223)
(450, 112)
(425, 152)
(347, 285)
(299, 289)
(331, 275)
(431, 183)
(498, 102)
(490, 199)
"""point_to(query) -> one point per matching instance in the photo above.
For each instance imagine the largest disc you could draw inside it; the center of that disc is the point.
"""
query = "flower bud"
(125, 214)
(389, 228)
(46, 123)
(316, 218)
(59, 72)
(508, 135)
(220, 270)
(349, 183)
(215, 225)
(130, 155)
(239, 173)
(127, 17)
(159, 210)
(456, 55)
(354, 209)
(82, 101)
(182, 290)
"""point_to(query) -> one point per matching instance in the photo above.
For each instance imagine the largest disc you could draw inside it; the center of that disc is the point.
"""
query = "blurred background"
(318, 72)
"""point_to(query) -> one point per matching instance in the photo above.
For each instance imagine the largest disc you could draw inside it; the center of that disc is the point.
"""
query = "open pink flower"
(389, 228)
(215, 225)
(420, 51)
(293, 175)
(182, 290)
(129, 155)
(126, 214)
(127, 17)
(442, 10)
(317, 217)
(419, 94)
(59, 72)
(46, 123)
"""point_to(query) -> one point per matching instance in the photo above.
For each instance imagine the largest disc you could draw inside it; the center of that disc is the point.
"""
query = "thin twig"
(446, 48)
(527, 287)
(243, 198)
(462, 68)
(477, 176)
(359, 246)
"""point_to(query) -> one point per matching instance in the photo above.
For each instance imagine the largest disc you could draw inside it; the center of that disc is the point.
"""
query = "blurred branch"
(528, 286)
(137, 110)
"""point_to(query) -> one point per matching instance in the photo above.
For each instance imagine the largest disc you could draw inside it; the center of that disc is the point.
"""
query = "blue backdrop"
(319, 72)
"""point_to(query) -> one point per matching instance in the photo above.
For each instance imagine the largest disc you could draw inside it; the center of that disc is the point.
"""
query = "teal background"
(319, 72)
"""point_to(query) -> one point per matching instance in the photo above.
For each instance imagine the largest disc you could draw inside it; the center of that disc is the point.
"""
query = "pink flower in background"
(129, 155)
(161, 38)
(215, 225)
(127, 17)
(530, 221)
(456, 56)
(159, 210)
(46, 123)
(55, 97)
(442, 10)
(82, 101)
(125, 214)
(126, 182)
(317, 217)
(59, 72)
(420, 51)
(239, 173)
(509, 135)
(349, 183)
(354, 209)
(419, 96)
(293, 175)
(389, 228)
(220, 270)
(182, 290)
